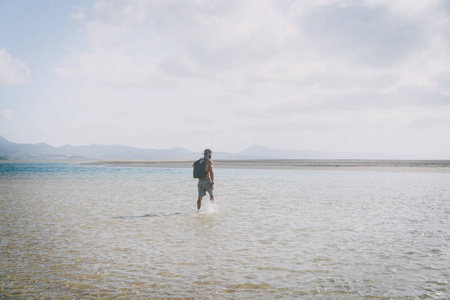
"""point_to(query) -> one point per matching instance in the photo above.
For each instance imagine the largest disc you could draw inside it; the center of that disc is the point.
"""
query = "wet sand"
(297, 164)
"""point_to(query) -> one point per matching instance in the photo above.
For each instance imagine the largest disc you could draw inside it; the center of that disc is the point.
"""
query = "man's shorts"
(204, 185)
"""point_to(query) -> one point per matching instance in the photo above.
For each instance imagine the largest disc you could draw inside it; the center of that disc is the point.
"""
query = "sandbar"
(441, 166)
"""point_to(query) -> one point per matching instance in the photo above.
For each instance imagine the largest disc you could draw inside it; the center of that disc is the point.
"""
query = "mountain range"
(15, 151)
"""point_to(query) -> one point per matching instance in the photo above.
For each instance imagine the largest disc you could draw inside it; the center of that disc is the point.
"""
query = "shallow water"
(77, 231)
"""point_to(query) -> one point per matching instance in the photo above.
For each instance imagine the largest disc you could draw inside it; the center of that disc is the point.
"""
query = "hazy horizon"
(252, 152)
(340, 76)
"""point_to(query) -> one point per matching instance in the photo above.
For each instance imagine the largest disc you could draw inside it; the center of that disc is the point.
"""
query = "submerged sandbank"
(297, 164)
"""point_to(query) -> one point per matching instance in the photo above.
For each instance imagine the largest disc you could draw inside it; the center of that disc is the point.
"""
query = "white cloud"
(12, 70)
(287, 73)
(258, 41)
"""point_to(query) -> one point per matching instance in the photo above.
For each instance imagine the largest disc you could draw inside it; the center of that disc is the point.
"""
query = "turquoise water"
(80, 231)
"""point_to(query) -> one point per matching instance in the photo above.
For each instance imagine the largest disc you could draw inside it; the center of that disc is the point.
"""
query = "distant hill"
(18, 151)
(96, 151)
(10, 150)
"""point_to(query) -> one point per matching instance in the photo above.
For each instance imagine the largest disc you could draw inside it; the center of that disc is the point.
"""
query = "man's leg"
(201, 194)
(199, 202)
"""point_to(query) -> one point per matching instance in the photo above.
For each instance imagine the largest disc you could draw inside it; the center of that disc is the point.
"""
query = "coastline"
(441, 166)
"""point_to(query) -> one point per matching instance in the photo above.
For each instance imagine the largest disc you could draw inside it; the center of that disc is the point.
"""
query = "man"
(206, 184)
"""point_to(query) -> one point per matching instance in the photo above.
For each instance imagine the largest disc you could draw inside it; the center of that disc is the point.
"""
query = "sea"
(72, 230)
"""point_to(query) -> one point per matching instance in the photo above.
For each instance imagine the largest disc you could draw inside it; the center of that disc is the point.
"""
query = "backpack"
(199, 168)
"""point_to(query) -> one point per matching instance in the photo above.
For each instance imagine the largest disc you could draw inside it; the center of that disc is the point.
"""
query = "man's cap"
(207, 151)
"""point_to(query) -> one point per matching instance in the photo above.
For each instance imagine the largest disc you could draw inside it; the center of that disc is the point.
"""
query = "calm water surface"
(77, 231)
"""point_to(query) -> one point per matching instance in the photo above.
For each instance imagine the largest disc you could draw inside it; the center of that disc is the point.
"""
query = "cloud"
(443, 82)
(212, 38)
(286, 70)
(12, 70)
(335, 46)
(371, 35)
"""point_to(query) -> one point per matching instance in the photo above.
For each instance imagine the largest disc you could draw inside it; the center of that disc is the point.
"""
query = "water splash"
(208, 208)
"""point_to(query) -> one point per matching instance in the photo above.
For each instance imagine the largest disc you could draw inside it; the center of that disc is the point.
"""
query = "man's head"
(207, 153)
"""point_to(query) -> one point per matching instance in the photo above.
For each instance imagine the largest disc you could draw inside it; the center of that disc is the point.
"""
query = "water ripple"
(89, 232)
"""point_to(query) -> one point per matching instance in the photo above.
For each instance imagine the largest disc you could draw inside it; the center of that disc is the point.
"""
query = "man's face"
(209, 155)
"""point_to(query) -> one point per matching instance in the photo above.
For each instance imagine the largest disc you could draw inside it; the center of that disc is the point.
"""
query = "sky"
(324, 75)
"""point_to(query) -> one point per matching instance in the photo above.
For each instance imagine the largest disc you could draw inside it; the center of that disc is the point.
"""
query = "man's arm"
(211, 172)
